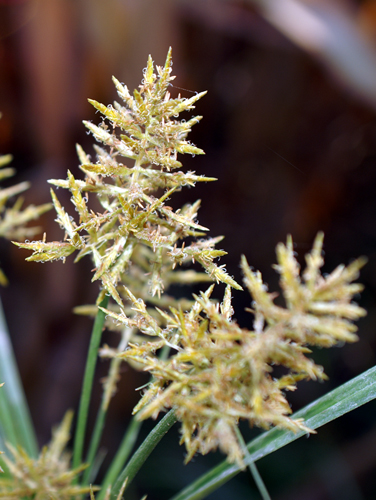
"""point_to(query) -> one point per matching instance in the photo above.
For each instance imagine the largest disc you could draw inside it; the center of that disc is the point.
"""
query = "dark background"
(290, 135)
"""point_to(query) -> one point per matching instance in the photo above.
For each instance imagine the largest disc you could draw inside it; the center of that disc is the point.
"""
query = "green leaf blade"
(349, 396)
(16, 425)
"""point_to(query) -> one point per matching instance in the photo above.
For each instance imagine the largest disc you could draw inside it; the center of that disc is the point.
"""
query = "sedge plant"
(206, 371)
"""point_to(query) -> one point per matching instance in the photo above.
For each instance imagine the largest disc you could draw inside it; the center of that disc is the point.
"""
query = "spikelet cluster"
(13, 219)
(136, 237)
(219, 373)
(48, 477)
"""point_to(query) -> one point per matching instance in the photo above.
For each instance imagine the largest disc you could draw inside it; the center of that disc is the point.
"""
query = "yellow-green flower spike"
(133, 223)
(219, 373)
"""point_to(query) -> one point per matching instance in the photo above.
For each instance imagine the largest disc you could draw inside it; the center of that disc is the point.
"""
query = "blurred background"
(289, 130)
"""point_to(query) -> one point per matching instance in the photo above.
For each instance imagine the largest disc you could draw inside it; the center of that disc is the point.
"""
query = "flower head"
(136, 233)
(46, 478)
(219, 373)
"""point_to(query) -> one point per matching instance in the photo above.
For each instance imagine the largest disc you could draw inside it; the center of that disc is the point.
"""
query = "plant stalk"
(121, 456)
(143, 452)
(252, 467)
(88, 384)
(108, 390)
(127, 443)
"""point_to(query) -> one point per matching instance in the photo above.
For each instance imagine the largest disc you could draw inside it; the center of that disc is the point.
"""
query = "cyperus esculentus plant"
(216, 373)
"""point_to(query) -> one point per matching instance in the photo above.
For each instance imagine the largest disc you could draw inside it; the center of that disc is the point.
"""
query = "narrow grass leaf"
(87, 385)
(14, 412)
(349, 396)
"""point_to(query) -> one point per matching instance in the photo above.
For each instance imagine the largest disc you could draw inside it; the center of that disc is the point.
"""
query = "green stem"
(108, 390)
(128, 442)
(143, 452)
(252, 467)
(94, 443)
(15, 416)
(121, 456)
(88, 385)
